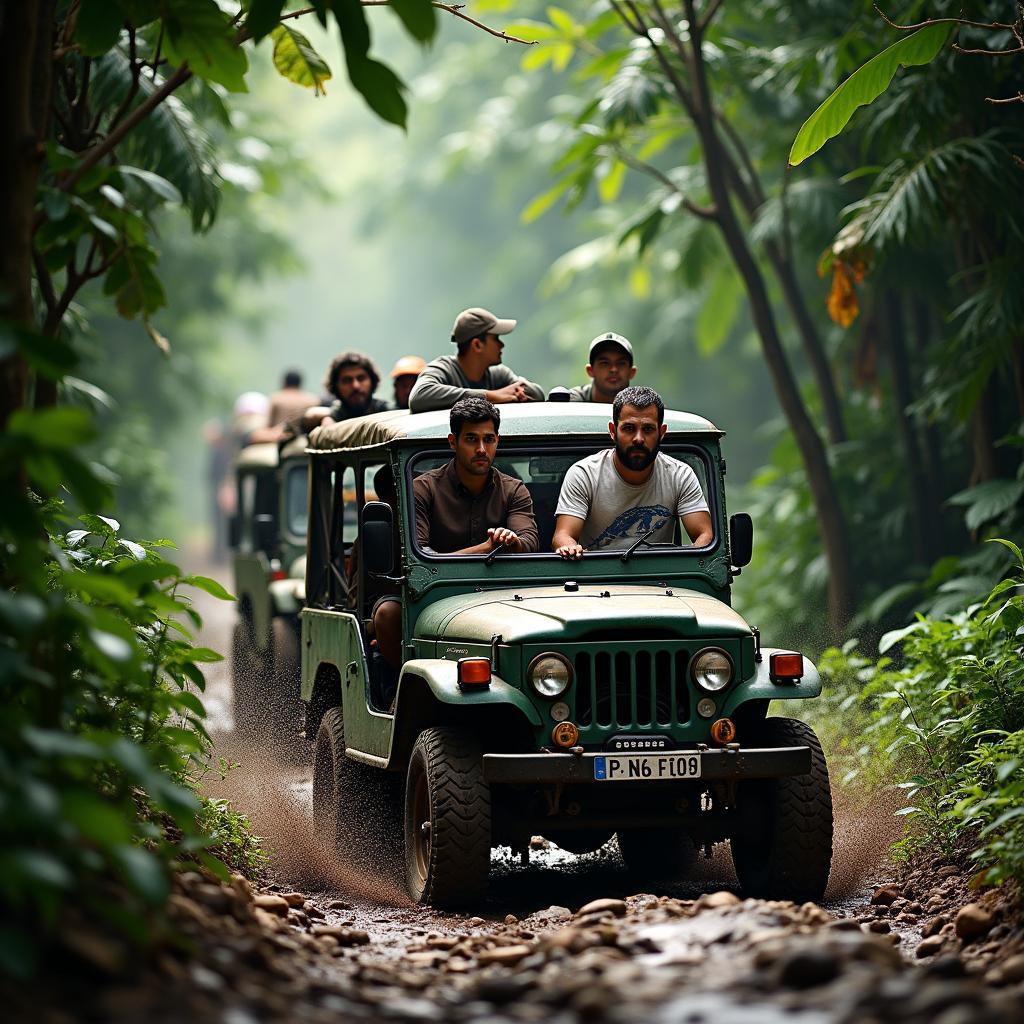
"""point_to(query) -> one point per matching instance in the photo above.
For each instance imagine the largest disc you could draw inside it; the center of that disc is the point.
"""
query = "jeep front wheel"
(447, 820)
(784, 851)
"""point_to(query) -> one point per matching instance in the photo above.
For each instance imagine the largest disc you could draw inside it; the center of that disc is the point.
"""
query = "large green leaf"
(418, 17)
(262, 17)
(199, 33)
(988, 500)
(375, 82)
(98, 26)
(864, 86)
(296, 60)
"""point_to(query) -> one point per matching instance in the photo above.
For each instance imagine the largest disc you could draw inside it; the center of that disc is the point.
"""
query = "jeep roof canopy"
(545, 420)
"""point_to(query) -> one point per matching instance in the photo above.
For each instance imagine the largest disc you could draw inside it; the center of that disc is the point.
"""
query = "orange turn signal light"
(565, 734)
(723, 731)
(474, 672)
(786, 667)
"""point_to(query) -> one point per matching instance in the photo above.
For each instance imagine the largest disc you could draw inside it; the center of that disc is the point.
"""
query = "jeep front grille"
(624, 688)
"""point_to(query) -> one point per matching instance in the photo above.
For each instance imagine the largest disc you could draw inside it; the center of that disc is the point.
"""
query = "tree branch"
(704, 212)
(709, 14)
(1019, 98)
(133, 89)
(940, 21)
(988, 53)
(139, 114)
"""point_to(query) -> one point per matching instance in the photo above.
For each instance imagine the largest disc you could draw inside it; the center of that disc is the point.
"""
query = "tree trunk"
(21, 152)
(812, 450)
(925, 512)
(983, 436)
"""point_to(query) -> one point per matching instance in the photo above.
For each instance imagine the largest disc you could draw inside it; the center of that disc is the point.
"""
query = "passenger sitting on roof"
(467, 507)
(610, 369)
(352, 378)
(477, 371)
(612, 499)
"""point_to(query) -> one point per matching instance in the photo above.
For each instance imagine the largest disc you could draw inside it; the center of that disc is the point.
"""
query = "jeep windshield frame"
(573, 451)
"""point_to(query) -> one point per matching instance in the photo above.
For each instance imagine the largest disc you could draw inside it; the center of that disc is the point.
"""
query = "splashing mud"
(276, 798)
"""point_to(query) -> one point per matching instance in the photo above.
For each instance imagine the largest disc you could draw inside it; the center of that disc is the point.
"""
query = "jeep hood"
(536, 614)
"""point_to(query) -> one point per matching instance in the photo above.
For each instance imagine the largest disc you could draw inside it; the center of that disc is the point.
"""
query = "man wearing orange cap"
(404, 374)
(476, 371)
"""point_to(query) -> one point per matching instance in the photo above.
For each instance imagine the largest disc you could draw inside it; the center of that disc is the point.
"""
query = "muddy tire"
(785, 851)
(447, 820)
(248, 678)
(657, 853)
(355, 807)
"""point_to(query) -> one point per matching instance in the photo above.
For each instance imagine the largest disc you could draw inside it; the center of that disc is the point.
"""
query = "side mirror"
(559, 394)
(234, 531)
(741, 539)
(264, 532)
(376, 530)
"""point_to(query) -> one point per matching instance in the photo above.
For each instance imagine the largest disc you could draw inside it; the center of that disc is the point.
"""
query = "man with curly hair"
(352, 378)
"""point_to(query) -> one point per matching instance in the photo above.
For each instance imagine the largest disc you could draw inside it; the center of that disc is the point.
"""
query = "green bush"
(946, 721)
(102, 735)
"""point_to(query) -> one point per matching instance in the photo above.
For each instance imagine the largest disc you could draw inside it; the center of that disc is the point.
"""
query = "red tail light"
(786, 667)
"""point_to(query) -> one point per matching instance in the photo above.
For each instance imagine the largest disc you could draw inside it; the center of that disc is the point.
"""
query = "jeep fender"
(428, 694)
(760, 686)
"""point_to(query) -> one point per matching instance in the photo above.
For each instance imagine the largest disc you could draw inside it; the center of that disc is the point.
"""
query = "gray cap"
(475, 322)
(610, 338)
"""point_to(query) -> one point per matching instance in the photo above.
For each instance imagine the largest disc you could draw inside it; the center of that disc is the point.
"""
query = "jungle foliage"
(110, 112)
(901, 377)
(943, 709)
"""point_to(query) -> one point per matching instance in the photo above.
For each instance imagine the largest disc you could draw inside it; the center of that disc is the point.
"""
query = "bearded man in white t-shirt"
(631, 491)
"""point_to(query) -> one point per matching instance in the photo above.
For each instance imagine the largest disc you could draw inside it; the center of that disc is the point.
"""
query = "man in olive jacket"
(476, 371)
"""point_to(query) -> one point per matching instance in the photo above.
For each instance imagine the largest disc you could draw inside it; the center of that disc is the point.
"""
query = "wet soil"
(563, 938)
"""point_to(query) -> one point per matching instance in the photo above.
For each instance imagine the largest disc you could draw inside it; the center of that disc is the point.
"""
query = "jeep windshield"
(543, 470)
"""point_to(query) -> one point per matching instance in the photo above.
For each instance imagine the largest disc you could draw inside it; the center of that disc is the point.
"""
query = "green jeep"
(617, 694)
(268, 535)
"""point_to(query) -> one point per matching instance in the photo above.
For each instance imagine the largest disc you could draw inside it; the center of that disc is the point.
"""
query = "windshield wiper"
(490, 558)
(642, 539)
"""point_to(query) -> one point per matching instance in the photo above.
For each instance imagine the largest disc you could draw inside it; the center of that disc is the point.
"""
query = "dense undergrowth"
(102, 742)
(941, 715)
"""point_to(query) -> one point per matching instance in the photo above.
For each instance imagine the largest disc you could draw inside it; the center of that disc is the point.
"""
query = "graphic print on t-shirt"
(634, 522)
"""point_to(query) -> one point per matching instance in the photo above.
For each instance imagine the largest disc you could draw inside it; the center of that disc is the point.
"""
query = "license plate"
(647, 767)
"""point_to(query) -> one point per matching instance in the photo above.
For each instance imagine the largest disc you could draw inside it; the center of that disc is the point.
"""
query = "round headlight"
(549, 675)
(712, 670)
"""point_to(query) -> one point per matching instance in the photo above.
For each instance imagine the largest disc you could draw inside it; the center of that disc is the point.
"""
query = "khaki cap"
(610, 338)
(408, 366)
(475, 322)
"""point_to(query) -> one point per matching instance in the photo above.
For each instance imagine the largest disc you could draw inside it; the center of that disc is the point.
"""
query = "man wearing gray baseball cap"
(610, 369)
(476, 370)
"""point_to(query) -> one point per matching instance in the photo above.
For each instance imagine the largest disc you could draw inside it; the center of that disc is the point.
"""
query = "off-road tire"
(248, 681)
(355, 807)
(785, 851)
(657, 853)
(446, 864)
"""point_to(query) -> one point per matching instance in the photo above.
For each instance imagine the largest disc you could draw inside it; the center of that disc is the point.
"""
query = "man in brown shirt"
(467, 507)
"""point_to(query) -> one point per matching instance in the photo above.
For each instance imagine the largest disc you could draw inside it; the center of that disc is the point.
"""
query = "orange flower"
(842, 299)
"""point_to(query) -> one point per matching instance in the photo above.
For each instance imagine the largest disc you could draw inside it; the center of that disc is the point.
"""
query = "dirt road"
(569, 938)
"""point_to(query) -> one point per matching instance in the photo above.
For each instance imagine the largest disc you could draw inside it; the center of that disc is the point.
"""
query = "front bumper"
(716, 765)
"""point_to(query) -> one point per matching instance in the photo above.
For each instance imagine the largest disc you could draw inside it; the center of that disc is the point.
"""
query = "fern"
(919, 199)
(170, 141)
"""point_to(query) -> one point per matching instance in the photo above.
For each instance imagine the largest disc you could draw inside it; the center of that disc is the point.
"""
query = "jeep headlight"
(549, 675)
(712, 669)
